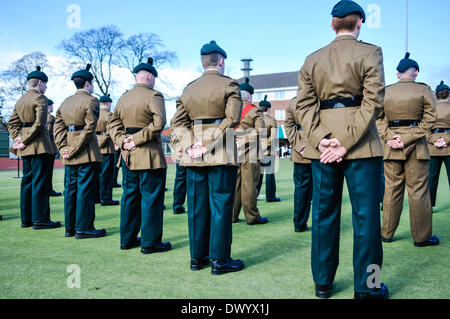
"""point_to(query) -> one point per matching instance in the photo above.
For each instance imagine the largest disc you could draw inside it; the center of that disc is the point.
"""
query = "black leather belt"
(133, 130)
(398, 123)
(75, 128)
(100, 133)
(209, 121)
(298, 127)
(340, 102)
(440, 130)
(27, 124)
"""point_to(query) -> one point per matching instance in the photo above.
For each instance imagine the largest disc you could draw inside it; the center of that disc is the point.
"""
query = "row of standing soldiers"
(334, 124)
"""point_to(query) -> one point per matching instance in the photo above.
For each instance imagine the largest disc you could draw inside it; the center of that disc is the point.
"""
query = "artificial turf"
(34, 263)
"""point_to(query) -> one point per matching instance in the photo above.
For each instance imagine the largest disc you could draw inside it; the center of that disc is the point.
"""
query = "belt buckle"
(338, 105)
(71, 128)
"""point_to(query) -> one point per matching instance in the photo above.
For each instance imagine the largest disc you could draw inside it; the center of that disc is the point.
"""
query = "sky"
(277, 35)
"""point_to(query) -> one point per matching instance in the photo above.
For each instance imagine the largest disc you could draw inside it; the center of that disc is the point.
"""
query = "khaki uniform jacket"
(270, 124)
(407, 100)
(50, 125)
(295, 136)
(140, 107)
(344, 68)
(442, 121)
(31, 108)
(247, 136)
(211, 96)
(105, 142)
(80, 109)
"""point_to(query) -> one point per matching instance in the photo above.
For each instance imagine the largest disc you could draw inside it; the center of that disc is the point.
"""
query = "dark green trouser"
(363, 182)
(141, 207)
(302, 194)
(179, 188)
(34, 192)
(51, 164)
(210, 197)
(79, 196)
(271, 186)
(106, 177)
(435, 171)
(116, 169)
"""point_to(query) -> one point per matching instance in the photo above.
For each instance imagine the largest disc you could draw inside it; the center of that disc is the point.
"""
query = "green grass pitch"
(33, 263)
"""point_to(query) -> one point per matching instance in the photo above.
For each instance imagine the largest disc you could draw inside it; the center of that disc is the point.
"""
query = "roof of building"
(273, 80)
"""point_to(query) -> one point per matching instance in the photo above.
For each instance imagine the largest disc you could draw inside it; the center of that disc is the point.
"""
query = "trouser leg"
(40, 194)
(249, 197)
(361, 177)
(420, 213)
(87, 185)
(179, 189)
(302, 194)
(130, 207)
(221, 182)
(199, 212)
(106, 177)
(326, 213)
(26, 190)
(151, 186)
(435, 170)
(70, 195)
(394, 173)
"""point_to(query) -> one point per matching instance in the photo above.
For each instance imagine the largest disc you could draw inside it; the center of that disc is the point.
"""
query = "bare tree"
(13, 81)
(98, 46)
(138, 48)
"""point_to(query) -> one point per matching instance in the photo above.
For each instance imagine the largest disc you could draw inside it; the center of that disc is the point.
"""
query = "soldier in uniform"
(247, 138)
(107, 149)
(179, 185)
(439, 139)
(207, 112)
(268, 165)
(409, 114)
(75, 125)
(341, 91)
(136, 126)
(50, 124)
(28, 129)
(302, 169)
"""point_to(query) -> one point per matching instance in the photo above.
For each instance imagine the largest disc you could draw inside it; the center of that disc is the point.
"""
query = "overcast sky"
(278, 35)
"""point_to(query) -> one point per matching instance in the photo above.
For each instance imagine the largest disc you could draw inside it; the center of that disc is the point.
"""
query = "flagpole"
(407, 24)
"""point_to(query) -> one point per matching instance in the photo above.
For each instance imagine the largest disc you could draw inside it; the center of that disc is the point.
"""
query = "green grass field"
(33, 263)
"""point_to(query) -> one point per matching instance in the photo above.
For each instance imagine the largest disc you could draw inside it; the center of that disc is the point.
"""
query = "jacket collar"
(81, 91)
(344, 37)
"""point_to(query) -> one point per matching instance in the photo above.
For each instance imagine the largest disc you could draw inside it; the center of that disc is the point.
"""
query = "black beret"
(211, 47)
(246, 87)
(442, 86)
(265, 102)
(147, 67)
(346, 7)
(37, 74)
(407, 63)
(84, 74)
(49, 102)
(105, 98)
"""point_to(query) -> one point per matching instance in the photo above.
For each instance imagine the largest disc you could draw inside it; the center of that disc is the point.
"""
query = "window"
(280, 115)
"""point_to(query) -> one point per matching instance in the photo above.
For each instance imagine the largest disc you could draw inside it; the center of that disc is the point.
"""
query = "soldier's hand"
(440, 143)
(302, 150)
(65, 154)
(396, 143)
(128, 144)
(116, 148)
(335, 152)
(18, 145)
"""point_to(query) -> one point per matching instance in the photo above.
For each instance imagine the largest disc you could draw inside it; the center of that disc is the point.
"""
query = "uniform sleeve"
(88, 130)
(116, 127)
(372, 103)
(50, 123)
(427, 122)
(14, 125)
(384, 131)
(289, 125)
(306, 112)
(107, 138)
(60, 132)
(40, 108)
(181, 135)
(158, 111)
